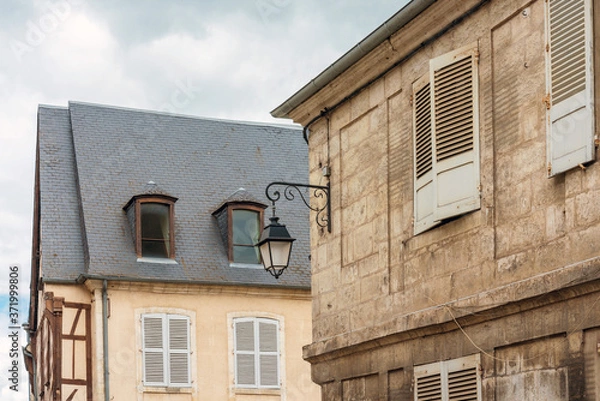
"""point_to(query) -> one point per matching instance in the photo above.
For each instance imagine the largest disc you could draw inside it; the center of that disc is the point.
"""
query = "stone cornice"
(199, 289)
(544, 289)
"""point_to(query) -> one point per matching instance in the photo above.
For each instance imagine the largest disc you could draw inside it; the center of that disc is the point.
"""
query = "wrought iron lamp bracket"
(323, 209)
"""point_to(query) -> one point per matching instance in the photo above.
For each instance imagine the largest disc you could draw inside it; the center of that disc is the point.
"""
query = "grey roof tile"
(112, 153)
(61, 231)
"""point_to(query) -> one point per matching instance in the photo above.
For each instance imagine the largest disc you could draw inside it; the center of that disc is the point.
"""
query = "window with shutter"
(423, 151)
(446, 139)
(256, 349)
(456, 379)
(570, 133)
(166, 350)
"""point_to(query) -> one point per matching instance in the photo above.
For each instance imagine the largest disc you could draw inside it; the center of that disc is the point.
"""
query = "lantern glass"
(276, 254)
(275, 247)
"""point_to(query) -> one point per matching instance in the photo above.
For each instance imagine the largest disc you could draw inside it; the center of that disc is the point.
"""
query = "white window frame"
(256, 353)
(451, 186)
(434, 381)
(166, 350)
(570, 122)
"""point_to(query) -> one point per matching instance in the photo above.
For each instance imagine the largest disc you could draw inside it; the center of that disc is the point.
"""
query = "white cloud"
(226, 59)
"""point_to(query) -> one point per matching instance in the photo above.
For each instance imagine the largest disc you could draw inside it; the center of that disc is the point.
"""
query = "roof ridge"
(179, 115)
(52, 106)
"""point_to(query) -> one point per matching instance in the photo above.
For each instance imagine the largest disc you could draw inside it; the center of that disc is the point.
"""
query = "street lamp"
(275, 247)
(276, 242)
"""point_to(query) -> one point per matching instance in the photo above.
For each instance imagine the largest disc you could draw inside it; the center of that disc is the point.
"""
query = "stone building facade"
(459, 140)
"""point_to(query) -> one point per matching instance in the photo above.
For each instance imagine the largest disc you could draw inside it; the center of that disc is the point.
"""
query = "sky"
(230, 59)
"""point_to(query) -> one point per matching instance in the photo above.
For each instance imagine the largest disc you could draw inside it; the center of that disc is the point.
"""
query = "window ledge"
(257, 391)
(164, 261)
(246, 265)
(167, 390)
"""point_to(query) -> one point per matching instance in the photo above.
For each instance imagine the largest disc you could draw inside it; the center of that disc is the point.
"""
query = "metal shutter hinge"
(547, 101)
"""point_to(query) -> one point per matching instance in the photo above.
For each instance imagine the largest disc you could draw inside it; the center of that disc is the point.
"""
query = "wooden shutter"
(455, 132)
(423, 156)
(245, 373)
(570, 139)
(462, 384)
(179, 350)
(268, 353)
(256, 352)
(154, 354)
(429, 388)
(456, 379)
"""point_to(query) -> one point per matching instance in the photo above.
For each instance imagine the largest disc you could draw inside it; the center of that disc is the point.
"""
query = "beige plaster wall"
(211, 310)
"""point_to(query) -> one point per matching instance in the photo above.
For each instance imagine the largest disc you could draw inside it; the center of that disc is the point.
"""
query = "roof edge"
(82, 278)
(178, 115)
(374, 39)
(51, 106)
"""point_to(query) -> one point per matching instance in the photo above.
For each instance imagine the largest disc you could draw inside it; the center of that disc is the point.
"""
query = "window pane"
(268, 337)
(245, 370)
(155, 230)
(244, 336)
(245, 227)
(153, 332)
(153, 367)
(268, 370)
(245, 254)
(246, 232)
(179, 368)
(178, 333)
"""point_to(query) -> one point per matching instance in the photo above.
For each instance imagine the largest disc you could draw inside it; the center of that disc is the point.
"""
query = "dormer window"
(240, 219)
(151, 219)
(245, 232)
(155, 229)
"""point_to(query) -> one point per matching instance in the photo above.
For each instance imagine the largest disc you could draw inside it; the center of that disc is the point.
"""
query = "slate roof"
(93, 159)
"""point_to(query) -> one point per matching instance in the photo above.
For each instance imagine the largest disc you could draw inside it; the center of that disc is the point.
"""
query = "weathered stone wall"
(537, 354)
(377, 286)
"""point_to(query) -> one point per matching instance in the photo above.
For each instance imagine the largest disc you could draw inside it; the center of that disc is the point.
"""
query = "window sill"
(166, 390)
(246, 265)
(257, 391)
(164, 261)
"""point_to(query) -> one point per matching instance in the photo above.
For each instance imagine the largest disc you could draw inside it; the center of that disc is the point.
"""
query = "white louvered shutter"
(268, 353)
(452, 380)
(462, 384)
(245, 373)
(428, 383)
(569, 84)
(423, 156)
(154, 355)
(455, 132)
(429, 388)
(179, 350)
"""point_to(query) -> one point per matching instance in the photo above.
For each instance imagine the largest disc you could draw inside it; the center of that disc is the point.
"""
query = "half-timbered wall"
(63, 351)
